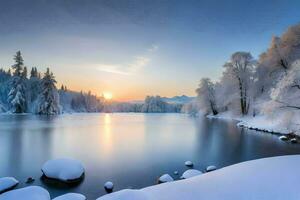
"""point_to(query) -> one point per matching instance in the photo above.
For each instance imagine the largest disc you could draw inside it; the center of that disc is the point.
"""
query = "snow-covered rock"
(27, 193)
(283, 137)
(236, 182)
(7, 183)
(176, 172)
(66, 170)
(165, 178)
(189, 163)
(211, 168)
(190, 173)
(109, 185)
(71, 196)
(294, 140)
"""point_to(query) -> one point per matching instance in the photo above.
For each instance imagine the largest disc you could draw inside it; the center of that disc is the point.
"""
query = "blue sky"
(134, 48)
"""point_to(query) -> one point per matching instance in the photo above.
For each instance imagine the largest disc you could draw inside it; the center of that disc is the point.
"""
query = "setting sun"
(107, 95)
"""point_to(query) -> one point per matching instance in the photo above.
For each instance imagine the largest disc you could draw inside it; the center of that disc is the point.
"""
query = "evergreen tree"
(33, 73)
(24, 73)
(19, 64)
(48, 100)
(16, 95)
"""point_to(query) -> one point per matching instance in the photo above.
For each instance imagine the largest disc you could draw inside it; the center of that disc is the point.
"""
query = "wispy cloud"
(131, 68)
(153, 48)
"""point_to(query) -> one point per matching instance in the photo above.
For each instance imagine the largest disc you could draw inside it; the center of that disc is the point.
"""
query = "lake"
(132, 150)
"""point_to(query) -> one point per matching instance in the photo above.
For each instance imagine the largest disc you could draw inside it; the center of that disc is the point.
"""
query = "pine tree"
(48, 100)
(19, 64)
(24, 73)
(16, 95)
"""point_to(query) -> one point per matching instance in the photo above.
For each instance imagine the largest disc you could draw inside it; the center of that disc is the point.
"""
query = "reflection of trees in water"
(28, 143)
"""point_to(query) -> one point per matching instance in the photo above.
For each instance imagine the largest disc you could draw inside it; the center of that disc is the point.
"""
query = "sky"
(134, 48)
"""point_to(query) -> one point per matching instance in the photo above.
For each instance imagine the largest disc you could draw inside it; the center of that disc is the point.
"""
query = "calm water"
(131, 150)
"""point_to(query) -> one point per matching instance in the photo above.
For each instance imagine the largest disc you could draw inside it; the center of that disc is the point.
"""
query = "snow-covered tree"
(48, 100)
(240, 69)
(286, 93)
(206, 96)
(17, 93)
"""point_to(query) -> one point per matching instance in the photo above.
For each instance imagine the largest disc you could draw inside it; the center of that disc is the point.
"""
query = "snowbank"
(7, 183)
(27, 193)
(264, 179)
(211, 168)
(70, 196)
(66, 170)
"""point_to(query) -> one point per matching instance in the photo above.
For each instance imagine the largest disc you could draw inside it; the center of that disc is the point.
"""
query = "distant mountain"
(178, 99)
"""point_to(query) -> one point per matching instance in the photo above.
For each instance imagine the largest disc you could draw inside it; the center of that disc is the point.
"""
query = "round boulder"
(211, 168)
(109, 186)
(190, 173)
(189, 163)
(65, 170)
(165, 178)
(7, 183)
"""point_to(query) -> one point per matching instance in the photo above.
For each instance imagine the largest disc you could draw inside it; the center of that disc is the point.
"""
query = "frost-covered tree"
(286, 93)
(206, 96)
(17, 93)
(48, 100)
(240, 69)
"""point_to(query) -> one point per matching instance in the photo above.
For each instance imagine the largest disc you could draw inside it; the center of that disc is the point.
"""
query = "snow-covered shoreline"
(262, 181)
(258, 123)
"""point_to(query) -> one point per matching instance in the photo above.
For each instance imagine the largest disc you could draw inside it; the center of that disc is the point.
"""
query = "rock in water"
(283, 138)
(109, 186)
(165, 178)
(211, 168)
(176, 172)
(190, 173)
(7, 183)
(189, 163)
(71, 196)
(65, 170)
(30, 180)
(27, 193)
(294, 140)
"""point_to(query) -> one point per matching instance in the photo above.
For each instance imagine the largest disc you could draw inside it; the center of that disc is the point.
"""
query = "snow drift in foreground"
(27, 193)
(264, 179)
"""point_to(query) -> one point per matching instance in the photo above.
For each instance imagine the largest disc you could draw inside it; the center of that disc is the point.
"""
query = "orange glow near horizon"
(107, 95)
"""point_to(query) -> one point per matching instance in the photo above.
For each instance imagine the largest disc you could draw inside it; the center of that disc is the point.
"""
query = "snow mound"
(66, 170)
(165, 178)
(283, 137)
(109, 185)
(27, 193)
(189, 163)
(126, 194)
(7, 183)
(294, 140)
(190, 173)
(241, 181)
(211, 168)
(71, 196)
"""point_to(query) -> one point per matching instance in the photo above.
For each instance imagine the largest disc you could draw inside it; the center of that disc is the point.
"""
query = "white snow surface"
(191, 173)
(165, 178)
(27, 193)
(264, 179)
(63, 169)
(7, 183)
(71, 196)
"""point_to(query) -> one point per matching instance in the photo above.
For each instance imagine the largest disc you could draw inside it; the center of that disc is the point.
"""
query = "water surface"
(131, 150)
